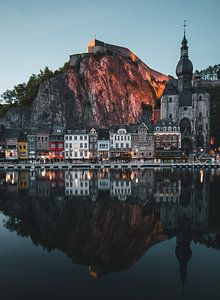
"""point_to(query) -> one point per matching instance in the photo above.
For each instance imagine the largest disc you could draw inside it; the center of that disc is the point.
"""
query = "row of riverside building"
(144, 140)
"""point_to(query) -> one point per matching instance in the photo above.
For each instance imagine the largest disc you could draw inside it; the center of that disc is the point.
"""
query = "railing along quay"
(111, 165)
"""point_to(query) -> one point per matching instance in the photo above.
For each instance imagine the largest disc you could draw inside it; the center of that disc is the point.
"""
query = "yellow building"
(22, 150)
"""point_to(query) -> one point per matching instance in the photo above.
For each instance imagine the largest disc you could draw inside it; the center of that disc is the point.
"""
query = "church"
(187, 102)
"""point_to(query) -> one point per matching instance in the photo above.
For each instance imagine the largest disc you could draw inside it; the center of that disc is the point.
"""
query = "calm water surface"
(148, 234)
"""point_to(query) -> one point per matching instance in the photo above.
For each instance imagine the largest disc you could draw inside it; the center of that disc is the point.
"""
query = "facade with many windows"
(142, 142)
(43, 145)
(56, 144)
(167, 140)
(120, 142)
(76, 144)
(103, 144)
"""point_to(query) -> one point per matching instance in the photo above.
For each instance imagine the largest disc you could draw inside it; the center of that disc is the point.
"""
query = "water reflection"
(106, 219)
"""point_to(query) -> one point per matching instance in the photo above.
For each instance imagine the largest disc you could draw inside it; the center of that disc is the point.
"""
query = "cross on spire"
(184, 25)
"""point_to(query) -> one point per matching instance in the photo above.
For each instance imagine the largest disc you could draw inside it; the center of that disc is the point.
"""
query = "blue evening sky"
(39, 33)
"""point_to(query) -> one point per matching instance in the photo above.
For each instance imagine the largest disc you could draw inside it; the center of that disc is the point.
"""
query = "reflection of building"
(142, 185)
(23, 181)
(43, 184)
(104, 181)
(121, 188)
(182, 204)
(77, 183)
(11, 179)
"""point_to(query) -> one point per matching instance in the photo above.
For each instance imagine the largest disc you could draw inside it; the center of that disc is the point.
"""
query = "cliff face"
(103, 87)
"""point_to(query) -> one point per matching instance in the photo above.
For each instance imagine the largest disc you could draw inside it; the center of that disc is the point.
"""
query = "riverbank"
(100, 165)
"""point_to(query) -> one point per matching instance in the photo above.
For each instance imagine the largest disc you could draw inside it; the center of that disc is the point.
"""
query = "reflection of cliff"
(107, 236)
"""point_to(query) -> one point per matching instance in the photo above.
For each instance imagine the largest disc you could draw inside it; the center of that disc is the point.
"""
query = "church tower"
(187, 101)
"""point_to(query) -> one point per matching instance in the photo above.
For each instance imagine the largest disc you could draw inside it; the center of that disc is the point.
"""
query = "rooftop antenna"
(184, 25)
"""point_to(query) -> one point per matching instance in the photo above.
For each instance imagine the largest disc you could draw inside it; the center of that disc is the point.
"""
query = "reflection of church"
(187, 101)
(184, 212)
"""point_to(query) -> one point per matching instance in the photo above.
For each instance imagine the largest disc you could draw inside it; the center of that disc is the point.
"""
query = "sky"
(39, 33)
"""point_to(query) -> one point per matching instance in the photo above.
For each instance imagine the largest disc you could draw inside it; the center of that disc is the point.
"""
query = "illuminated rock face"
(110, 88)
(104, 87)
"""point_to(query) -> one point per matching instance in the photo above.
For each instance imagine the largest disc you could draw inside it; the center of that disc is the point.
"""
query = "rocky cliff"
(108, 85)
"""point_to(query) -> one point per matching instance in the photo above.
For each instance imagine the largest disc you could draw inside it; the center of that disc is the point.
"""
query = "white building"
(76, 144)
(120, 142)
(77, 183)
(121, 189)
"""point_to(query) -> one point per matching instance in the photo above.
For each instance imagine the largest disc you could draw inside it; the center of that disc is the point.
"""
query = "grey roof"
(103, 134)
(115, 128)
(165, 122)
(171, 87)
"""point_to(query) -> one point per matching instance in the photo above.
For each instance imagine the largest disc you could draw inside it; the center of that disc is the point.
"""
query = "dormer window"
(157, 128)
(164, 128)
(169, 128)
(121, 131)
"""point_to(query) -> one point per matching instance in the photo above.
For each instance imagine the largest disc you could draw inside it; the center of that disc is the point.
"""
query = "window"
(200, 98)
(127, 145)
(122, 145)
(85, 137)
(70, 138)
(170, 99)
(66, 137)
(122, 138)
(66, 145)
(85, 145)
(81, 145)
(53, 145)
(75, 137)
(170, 116)
(81, 138)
